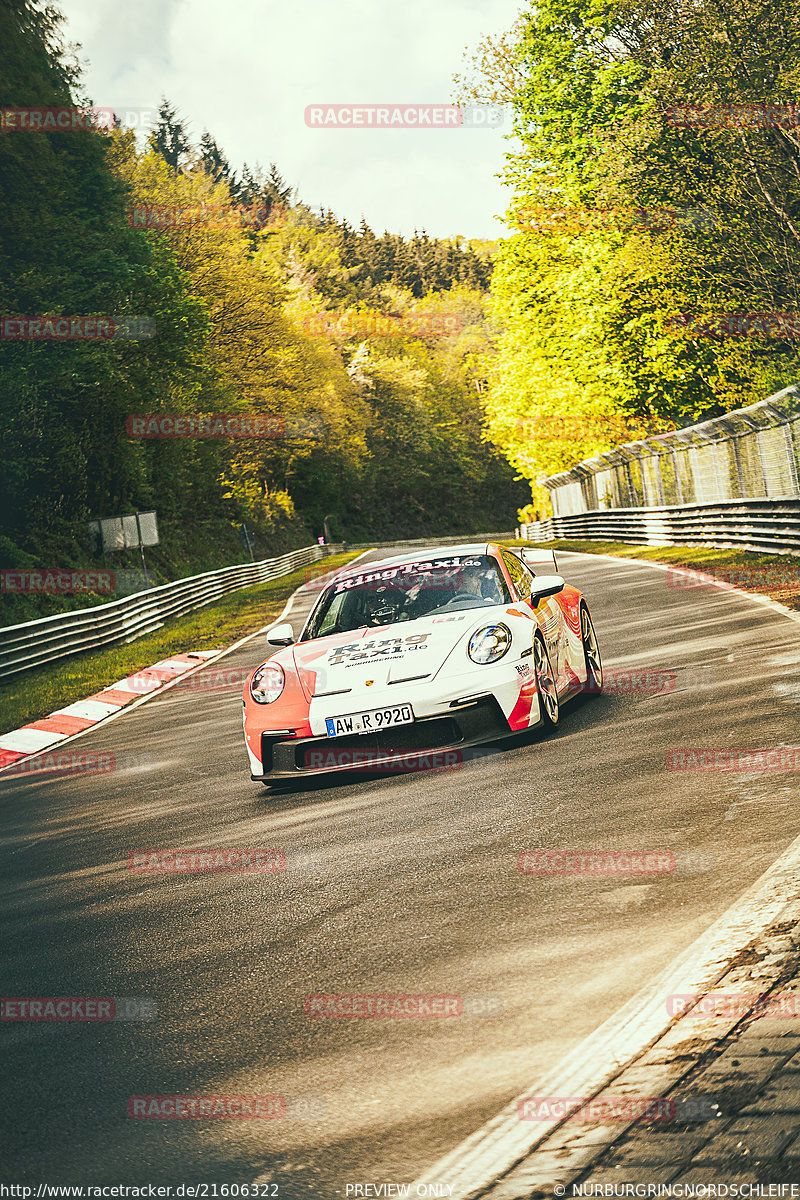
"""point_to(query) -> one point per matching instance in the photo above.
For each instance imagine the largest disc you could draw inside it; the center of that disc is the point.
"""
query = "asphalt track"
(399, 884)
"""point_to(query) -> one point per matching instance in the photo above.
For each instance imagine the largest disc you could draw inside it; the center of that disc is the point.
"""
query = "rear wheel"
(591, 655)
(545, 684)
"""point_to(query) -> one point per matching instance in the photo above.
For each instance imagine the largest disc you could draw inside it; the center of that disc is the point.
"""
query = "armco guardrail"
(35, 643)
(766, 525)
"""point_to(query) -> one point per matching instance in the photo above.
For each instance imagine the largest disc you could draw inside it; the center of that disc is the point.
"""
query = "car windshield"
(387, 595)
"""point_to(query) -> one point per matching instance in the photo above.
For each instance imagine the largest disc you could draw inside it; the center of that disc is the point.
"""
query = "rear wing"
(540, 562)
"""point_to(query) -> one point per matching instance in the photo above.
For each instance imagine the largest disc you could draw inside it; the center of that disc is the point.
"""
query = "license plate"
(370, 722)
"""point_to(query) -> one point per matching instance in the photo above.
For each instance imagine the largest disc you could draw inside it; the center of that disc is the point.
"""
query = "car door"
(548, 612)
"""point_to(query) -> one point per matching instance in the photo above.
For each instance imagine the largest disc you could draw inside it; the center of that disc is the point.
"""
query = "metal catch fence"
(730, 481)
(749, 454)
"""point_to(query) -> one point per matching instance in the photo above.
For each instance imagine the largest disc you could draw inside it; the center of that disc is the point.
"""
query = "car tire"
(591, 656)
(549, 704)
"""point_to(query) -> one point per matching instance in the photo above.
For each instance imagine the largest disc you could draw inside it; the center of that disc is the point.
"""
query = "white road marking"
(28, 740)
(170, 664)
(90, 710)
(504, 1140)
(135, 684)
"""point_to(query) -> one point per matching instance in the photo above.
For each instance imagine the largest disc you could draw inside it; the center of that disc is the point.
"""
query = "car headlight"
(267, 683)
(489, 644)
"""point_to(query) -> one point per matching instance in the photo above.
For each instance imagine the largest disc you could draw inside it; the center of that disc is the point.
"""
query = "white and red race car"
(435, 650)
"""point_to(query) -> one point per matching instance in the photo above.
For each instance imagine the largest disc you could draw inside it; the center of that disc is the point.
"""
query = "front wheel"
(591, 656)
(545, 684)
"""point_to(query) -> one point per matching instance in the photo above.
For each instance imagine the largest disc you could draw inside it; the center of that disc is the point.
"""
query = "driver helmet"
(474, 580)
(481, 581)
(380, 605)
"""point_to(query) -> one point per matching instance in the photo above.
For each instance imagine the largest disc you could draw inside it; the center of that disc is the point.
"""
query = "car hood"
(404, 652)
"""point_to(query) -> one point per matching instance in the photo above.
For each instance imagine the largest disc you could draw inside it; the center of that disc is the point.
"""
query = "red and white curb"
(64, 723)
(73, 720)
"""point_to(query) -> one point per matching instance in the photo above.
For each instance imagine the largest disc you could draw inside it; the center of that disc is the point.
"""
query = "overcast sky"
(246, 70)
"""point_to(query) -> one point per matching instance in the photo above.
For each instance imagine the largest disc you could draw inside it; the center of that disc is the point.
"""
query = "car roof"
(422, 554)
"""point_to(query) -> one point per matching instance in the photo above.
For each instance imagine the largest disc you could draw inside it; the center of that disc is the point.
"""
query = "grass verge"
(773, 575)
(36, 693)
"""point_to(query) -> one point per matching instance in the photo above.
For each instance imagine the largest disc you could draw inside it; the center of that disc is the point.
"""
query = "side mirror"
(281, 635)
(546, 585)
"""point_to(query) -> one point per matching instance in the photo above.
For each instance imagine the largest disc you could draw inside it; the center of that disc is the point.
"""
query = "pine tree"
(214, 161)
(169, 138)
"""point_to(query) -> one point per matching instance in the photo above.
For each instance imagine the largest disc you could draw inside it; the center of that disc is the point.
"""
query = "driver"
(380, 607)
(481, 583)
(490, 587)
(471, 583)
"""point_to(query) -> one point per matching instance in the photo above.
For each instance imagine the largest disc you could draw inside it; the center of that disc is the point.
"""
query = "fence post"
(762, 462)
(677, 470)
(737, 455)
(792, 460)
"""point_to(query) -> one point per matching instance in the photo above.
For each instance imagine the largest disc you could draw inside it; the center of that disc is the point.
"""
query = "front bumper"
(402, 747)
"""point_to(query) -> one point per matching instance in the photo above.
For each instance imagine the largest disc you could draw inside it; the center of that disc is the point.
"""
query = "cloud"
(247, 69)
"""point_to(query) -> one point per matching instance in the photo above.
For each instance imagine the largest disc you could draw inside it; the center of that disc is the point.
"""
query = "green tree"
(587, 309)
(170, 138)
(67, 249)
